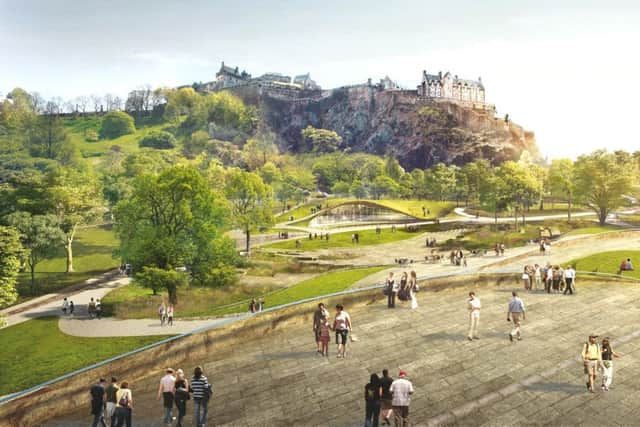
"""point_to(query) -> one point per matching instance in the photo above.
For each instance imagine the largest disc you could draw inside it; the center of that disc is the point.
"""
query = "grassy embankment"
(92, 255)
(550, 209)
(36, 351)
(609, 262)
(133, 301)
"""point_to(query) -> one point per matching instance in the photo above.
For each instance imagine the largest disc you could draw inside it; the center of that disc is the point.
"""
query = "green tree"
(76, 198)
(340, 188)
(321, 140)
(441, 181)
(260, 150)
(11, 255)
(522, 187)
(392, 168)
(115, 124)
(384, 185)
(158, 139)
(171, 220)
(358, 189)
(48, 138)
(156, 278)
(197, 143)
(250, 200)
(475, 174)
(493, 194)
(561, 182)
(40, 235)
(601, 182)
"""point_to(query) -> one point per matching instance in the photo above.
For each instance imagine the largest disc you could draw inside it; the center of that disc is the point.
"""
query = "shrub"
(158, 139)
(92, 136)
(117, 123)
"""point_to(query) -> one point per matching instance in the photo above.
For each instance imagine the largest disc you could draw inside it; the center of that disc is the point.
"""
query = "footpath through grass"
(36, 351)
(609, 262)
(343, 240)
(92, 255)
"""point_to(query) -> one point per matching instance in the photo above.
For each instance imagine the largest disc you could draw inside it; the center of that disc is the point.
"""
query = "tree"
(158, 139)
(260, 150)
(321, 140)
(117, 123)
(250, 201)
(76, 198)
(173, 219)
(11, 254)
(562, 182)
(156, 278)
(601, 182)
(196, 144)
(384, 185)
(475, 174)
(48, 137)
(522, 187)
(441, 181)
(493, 194)
(392, 168)
(40, 235)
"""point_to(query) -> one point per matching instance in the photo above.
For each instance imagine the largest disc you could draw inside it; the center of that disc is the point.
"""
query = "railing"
(218, 324)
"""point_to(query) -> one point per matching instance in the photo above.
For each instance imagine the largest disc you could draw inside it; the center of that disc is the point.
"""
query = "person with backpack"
(97, 403)
(372, 394)
(591, 358)
(124, 407)
(181, 393)
(202, 391)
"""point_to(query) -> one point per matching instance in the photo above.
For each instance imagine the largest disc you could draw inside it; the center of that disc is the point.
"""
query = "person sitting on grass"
(625, 265)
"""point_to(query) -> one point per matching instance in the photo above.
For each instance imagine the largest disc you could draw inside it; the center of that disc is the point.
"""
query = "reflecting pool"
(358, 214)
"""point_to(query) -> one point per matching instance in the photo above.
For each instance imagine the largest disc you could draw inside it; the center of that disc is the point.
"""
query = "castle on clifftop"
(433, 87)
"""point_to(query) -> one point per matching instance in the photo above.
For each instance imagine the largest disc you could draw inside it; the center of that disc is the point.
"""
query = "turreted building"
(230, 77)
(448, 86)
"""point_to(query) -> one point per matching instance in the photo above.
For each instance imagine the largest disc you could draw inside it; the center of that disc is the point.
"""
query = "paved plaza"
(279, 380)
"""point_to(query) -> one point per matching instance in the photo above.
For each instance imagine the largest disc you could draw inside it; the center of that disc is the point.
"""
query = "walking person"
(98, 398)
(516, 313)
(98, 309)
(342, 326)
(170, 315)
(71, 308)
(110, 393)
(413, 288)
(181, 394)
(473, 305)
(91, 309)
(325, 335)
(124, 405)
(392, 289)
(385, 399)
(537, 277)
(591, 358)
(162, 312)
(165, 391)
(570, 278)
(526, 280)
(202, 391)
(372, 394)
(317, 318)
(607, 363)
(401, 391)
(65, 306)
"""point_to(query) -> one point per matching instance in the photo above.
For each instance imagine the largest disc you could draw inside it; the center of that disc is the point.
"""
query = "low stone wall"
(72, 394)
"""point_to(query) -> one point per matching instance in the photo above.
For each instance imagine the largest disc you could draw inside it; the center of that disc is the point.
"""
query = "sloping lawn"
(322, 285)
(343, 240)
(609, 262)
(596, 229)
(36, 351)
(92, 255)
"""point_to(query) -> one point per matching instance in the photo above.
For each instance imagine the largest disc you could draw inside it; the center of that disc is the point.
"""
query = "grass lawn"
(595, 229)
(343, 240)
(631, 219)
(36, 351)
(135, 302)
(322, 285)
(78, 127)
(608, 262)
(556, 209)
(92, 255)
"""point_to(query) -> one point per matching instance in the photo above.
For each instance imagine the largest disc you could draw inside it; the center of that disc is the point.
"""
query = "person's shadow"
(567, 388)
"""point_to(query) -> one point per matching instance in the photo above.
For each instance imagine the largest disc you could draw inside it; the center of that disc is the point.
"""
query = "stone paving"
(279, 380)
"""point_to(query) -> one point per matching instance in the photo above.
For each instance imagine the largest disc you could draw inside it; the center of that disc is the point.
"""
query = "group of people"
(515, 312)
(166, 313)
(405, 289)
(313, 236)
(385, 397)
(457, 258)
(256, 306)
(94, 308)
(322, 328)
(625, 265)
(115, 401)
(555, 278)
(499, 249)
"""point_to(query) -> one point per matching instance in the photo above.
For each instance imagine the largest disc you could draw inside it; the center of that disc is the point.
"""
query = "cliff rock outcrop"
(418, 132)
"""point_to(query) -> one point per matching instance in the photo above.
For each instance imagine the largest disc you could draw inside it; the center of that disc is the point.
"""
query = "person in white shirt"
(473, 305)
(165, 390)
(516, 312)
(401, 391)
(570, 279)
(342, 326)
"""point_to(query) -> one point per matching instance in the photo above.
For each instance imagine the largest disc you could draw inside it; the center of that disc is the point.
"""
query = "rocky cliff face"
(420, 134)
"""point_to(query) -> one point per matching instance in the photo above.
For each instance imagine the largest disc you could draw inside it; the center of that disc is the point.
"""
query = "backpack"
(124, 400)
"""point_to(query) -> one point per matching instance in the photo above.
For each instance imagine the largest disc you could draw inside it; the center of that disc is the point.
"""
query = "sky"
(563, 69)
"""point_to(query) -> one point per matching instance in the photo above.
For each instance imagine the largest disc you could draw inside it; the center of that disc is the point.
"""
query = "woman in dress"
(526, 280)
(403, 292)
(325, 335)
(607, 361)
(413, 287)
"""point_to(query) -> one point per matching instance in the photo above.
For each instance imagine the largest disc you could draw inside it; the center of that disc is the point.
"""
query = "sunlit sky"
(564, 69)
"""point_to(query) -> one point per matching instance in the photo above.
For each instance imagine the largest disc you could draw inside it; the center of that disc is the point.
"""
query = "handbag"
(353, 338)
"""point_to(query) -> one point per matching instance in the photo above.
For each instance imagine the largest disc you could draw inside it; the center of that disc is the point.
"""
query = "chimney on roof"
(480, 79)
(440, 74)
